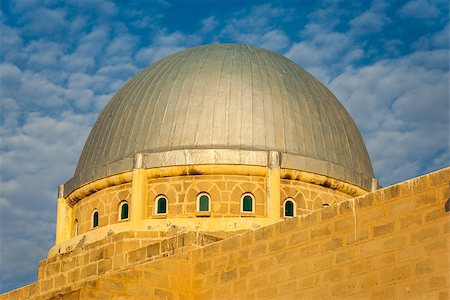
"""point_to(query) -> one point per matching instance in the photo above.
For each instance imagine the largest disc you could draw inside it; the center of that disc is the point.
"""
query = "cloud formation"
(61, 61)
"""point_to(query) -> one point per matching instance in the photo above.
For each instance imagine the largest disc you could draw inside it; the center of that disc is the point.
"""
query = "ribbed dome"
(226, 97)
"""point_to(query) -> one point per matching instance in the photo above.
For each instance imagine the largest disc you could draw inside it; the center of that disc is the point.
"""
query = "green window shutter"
(204, 203)
(247, 204)
(289, 209)
(124, 212)
(162, 205)
(95, 220)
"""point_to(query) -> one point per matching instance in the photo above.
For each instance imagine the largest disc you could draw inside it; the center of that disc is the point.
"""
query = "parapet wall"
(389, 244)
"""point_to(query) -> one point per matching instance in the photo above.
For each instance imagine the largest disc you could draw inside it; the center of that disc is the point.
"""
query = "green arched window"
(161, 205)
(203, 202)
(247, 203)
(289, 208)
(123, 209)
(95, 219)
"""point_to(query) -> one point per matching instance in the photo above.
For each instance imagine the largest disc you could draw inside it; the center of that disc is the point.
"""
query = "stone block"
(287, 225)
(425, 266)
(402, 206)
(395, 274)
(435, 214)
(239, 286)
(157, 279)
(346, 255)
(344, 288)
(369, 216)
(257, 281)
(258, 250)
(329, 212)
(268, 292)
(153, 250)
(288, 256)
(395, 242)
(437, 282)
(68, 264)
(383, 260)
(277, 245)
(333, 275)
(411, 221)
(88, 270)
(105, 265)
(264, 264)
(359, 267)
(424, 233)
(125, 246)
(332, 244)
(320, 231)
(322, 263)
(137, 255)
(358, 236)
(228, 275)
(246, 270)
(60, 281)
(230, 244)
(344, 224)
(383, 294)
(368, 281)
(46, 285)
(425, 199)
(73, 275)
(371, 248)
(202, 267)
(298, 238)
(111, 284)
(52, 269)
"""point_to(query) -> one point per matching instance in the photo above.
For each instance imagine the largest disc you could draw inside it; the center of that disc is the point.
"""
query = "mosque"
(227, 171)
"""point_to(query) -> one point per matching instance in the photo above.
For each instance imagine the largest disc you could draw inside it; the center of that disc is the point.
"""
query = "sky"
(61, 61)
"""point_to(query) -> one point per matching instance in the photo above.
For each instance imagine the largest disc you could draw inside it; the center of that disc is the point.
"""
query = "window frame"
(156, 205)
(253, 203)
(121, 204)
(93, 219)
(198, 203)
(294, 208)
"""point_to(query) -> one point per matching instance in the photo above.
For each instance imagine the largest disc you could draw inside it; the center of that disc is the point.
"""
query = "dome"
(217, 103)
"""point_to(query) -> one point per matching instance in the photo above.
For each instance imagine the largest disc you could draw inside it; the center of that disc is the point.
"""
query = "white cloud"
(420, 9)
(258, 27)
(164, 44)
(397, 103)
(324, 52)
(208, 24)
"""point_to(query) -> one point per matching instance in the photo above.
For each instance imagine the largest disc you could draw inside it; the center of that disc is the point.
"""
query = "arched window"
(123, 210)
(76, 227)
(289, 208)
(161, 205)
(247, 203)
(203, 200)
(95, 218)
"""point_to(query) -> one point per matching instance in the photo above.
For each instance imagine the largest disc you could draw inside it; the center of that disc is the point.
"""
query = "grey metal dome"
(225, 97)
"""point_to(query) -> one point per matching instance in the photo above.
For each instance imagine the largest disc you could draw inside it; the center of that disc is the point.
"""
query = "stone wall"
(225, 192)
(106, 201)
(390, 244)
(307, 196)
(181, 192)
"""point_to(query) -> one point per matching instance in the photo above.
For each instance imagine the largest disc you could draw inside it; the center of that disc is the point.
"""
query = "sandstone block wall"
(225, 192)
(106, 201)
(390, 244)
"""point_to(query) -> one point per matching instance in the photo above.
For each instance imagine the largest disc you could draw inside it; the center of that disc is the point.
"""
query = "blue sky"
(61, 61)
